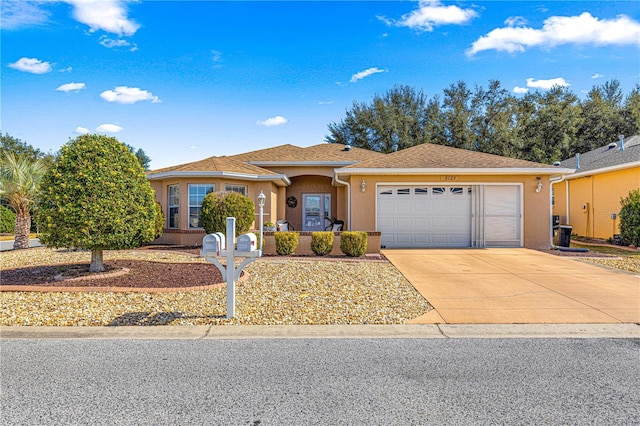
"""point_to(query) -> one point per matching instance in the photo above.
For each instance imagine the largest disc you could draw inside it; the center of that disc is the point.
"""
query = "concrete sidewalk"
(517, 286)
(409, 331)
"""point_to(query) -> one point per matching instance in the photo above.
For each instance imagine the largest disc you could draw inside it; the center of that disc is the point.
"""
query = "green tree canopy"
(20, 178)
(9, 144)
(96, 197)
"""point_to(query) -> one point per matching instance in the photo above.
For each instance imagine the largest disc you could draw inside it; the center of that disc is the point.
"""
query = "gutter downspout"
(348, 185)
(551, 182)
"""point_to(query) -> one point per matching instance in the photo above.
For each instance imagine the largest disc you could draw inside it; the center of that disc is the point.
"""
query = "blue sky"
(185, 80)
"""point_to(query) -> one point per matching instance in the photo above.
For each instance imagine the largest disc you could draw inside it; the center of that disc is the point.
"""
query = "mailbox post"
(214, 246)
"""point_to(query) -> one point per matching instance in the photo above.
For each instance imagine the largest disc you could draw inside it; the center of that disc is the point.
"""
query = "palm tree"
(19, 183)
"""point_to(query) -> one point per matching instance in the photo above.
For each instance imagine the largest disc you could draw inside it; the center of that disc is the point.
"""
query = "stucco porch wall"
(592, 201)
(536, 226)
(304, 243)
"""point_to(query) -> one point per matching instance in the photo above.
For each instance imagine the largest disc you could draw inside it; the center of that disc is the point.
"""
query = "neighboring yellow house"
(424, 196)
(589, 199)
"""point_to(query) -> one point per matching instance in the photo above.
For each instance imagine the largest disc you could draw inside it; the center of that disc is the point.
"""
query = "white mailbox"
(247, 242)
(211, 245)
(221, 240)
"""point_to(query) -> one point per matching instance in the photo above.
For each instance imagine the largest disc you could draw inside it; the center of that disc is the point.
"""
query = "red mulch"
(142, 274)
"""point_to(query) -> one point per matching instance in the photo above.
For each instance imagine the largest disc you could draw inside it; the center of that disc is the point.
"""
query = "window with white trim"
(241, 189)
(197, 192)
(174, 206)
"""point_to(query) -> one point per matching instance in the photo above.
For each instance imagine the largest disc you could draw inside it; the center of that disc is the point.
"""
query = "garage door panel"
(424, 216)
(501, 228)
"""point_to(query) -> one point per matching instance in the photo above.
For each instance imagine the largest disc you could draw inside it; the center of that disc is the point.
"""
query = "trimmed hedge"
(286, 242)
(630, 218)
(321, 243)
(7, 220)
(218, 206)
(353, 243)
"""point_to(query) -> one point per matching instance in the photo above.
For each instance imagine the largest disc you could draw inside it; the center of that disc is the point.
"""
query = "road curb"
(409, 331)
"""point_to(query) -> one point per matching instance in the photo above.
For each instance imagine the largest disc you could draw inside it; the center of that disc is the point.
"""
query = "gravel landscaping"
(275, 291)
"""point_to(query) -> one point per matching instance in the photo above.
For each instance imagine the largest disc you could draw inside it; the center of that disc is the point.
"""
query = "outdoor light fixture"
(363, 186)
(261, 199)
(539, 185)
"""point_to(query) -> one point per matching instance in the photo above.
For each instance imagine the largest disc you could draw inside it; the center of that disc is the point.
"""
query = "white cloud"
(105, 15)
(546, 84)
(584, 29)
(109, 128)
(278, 120)
(32, 65)
(325, 102)
(597, 75)
(128, 95)
(81, 130)
(21, 14)
(431, 13)
(110, 43)
(70, 87)
(365, 73)
(67, 69)
(515, 21)
(520, 90)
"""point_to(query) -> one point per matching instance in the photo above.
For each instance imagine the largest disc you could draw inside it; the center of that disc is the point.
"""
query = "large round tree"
(96, 197)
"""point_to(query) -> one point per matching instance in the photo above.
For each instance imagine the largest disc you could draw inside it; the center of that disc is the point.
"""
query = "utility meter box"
(247, 242)
(211, 245)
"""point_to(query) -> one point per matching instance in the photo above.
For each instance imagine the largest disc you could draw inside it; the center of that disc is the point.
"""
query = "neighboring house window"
(196, 195)
(242, 189)
(174, 209)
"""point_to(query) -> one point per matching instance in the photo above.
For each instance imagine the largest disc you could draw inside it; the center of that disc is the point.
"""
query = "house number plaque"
(449, 178)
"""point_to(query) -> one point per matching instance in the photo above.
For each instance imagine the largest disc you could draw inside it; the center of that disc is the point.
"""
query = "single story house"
(424, 196)
(589, 199)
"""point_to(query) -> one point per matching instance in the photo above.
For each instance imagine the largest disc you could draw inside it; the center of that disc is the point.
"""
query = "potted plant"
(269, 227)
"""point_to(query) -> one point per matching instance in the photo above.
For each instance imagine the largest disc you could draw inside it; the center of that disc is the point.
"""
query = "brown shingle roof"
(216, 164)
(431, 156)
(325, 152)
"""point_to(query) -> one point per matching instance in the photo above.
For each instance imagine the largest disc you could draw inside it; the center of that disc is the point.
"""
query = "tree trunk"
(96, 261)
(21, 235)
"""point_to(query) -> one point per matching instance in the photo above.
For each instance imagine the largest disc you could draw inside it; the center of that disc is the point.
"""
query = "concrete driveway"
(516, 286)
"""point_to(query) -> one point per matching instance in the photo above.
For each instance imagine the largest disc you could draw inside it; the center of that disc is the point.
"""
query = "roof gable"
(432, 156)
(321, 153)
(215, 164)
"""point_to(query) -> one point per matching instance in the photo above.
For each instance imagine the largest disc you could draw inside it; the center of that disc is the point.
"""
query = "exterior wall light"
(363, 186)
(539, 185)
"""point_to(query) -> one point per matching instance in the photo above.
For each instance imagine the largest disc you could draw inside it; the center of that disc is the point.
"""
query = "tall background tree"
(96, 197)
(20, 177)
(542, 126)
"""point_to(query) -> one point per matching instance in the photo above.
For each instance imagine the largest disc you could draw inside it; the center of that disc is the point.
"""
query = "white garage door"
(424, 216)
(449, 216)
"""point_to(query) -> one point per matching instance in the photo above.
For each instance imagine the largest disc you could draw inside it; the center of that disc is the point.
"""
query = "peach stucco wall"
(301, 185)
(189, 236)
(536, 223)
(592, 201)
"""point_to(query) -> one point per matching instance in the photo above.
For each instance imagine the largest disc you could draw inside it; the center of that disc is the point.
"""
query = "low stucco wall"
(181, 237)
(304, 243)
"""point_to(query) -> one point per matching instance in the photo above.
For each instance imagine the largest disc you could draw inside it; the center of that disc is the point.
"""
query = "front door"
(316, 211)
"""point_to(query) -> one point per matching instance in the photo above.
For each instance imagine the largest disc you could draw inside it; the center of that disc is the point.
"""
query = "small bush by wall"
(321, 243)
(286, 242)
(630, 218)
(353, 243)
(218, 206)
(159, 221)
(7, 220)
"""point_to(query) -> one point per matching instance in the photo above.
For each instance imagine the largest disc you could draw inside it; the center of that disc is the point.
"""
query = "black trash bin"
(565, 235)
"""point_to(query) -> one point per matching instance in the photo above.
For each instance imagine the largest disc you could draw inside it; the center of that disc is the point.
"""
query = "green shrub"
(321, 243)
(218, 206)
(630, 218)
(286, 242)
(353, 243)
(159, 221)
(7, 220)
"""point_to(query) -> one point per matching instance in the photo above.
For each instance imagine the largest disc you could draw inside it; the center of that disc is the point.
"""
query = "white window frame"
(240, 189)
(197, 206)
(173, 208)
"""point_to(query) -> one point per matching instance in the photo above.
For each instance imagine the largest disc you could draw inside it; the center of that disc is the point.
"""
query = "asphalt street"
(320, 381)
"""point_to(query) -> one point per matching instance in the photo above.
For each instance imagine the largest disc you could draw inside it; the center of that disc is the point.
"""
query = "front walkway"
(516, 286)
